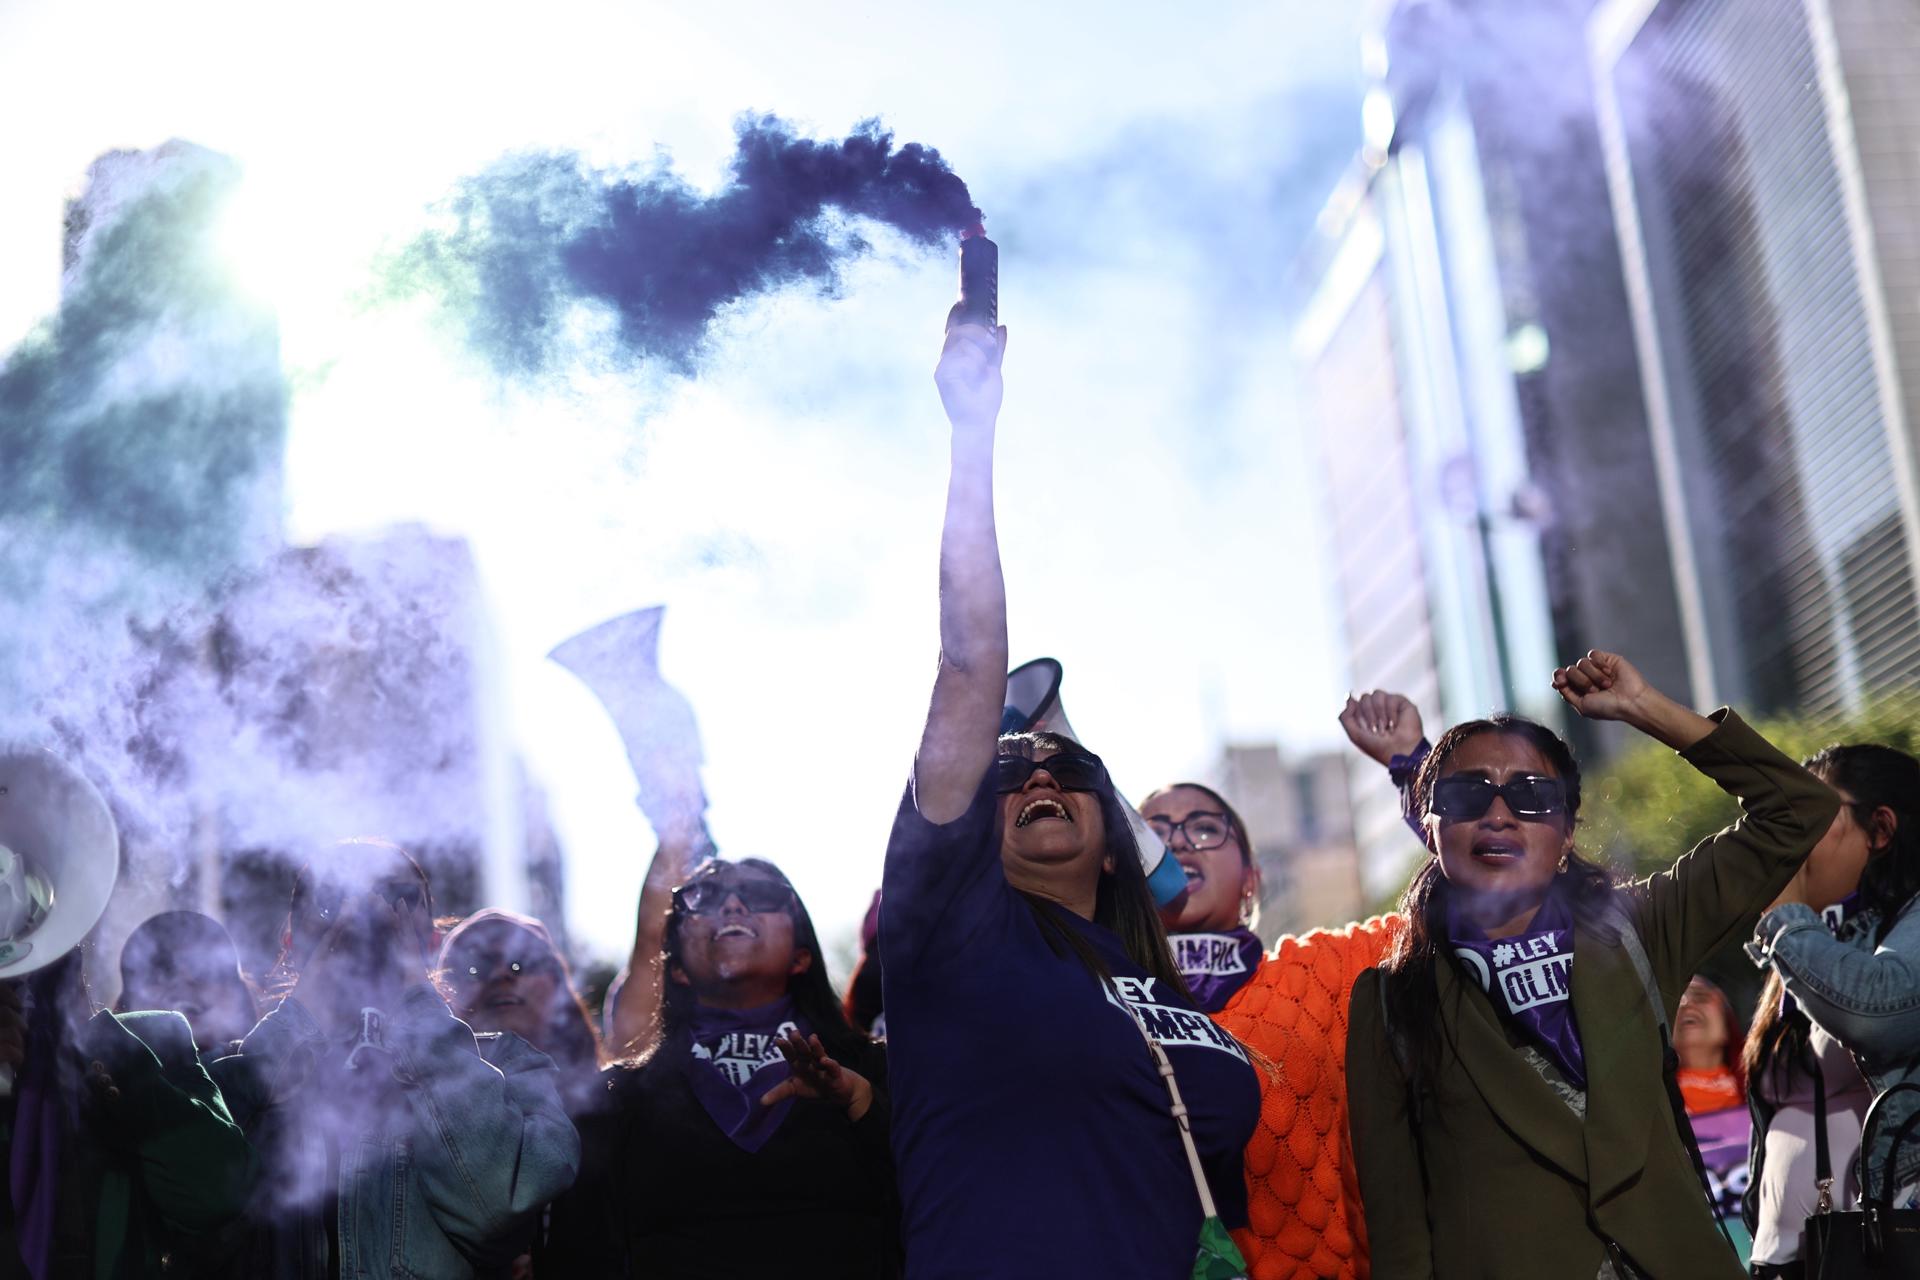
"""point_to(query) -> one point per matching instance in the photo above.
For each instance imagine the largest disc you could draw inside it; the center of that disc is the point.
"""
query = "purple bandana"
(1841, 913)
(733, 1060)
(1215, 965)
(1530, 971)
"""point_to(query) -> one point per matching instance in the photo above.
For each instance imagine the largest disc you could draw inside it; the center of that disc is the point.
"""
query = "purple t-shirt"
(1032, 1134)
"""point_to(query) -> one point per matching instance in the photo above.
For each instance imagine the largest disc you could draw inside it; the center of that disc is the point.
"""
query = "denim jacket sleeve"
(1869, 1000)
(492, 1143)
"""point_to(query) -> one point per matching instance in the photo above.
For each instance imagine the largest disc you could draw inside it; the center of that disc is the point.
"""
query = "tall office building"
(1471, 373)
(1764, 175)
(1300, 820)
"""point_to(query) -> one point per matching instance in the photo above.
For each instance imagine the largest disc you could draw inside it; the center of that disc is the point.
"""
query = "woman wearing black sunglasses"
(1015, 919)
(1510, 1109)
(751, 1138)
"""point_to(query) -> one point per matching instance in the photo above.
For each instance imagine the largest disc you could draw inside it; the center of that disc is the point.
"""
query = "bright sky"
(1146, 171)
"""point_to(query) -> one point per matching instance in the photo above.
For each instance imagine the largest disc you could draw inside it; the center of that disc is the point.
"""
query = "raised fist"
(968, 374)
(1602, 686)
(1382, 724)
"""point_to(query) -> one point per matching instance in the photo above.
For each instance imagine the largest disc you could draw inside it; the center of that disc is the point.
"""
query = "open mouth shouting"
(1499, 851)
(734, 929)
(1041, 808)
(1195, 875)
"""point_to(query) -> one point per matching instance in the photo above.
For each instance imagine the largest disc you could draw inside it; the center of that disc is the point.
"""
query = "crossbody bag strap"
(1636, 950)
(1165, 1066)
(1822, 1159)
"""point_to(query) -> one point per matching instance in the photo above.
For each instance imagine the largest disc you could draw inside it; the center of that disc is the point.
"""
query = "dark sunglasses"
(1469, 798)
(1070, 771)
(709, 896)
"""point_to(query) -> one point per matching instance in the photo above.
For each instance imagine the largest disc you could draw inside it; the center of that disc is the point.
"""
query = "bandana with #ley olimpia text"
(1526, 978)
(733, 1060)
(1215, 965)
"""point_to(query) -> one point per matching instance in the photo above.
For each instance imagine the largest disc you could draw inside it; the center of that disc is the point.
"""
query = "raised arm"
(1717, 891)
(636, 994)
(1386, 727)
(1869, 1000)
(963, 721)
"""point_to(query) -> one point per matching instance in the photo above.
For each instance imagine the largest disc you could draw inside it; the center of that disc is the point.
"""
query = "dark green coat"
(148, 1175)
(1516, 1184)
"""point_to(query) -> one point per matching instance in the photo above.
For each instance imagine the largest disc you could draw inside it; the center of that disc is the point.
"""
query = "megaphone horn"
(59, 858)
(1033, 705)
(619, 661)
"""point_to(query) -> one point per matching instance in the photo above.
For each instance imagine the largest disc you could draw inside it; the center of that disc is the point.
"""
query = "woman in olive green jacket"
(1505, 1065)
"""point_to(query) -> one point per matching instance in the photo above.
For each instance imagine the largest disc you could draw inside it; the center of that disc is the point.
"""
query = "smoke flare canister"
(979, 280)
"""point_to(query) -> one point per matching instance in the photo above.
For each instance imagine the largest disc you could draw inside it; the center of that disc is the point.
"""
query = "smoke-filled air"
(538, 238)
(546, 552)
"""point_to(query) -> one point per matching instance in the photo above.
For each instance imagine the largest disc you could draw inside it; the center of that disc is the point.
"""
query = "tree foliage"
(1646, 808)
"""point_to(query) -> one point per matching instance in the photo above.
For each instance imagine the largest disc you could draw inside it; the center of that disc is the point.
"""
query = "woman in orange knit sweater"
(1288, 1006)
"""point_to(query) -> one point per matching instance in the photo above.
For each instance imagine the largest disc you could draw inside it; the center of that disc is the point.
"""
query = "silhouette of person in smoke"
(392, 1135)
(186, 962)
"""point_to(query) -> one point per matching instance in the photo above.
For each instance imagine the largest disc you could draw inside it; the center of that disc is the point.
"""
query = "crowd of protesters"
(1036, 1069)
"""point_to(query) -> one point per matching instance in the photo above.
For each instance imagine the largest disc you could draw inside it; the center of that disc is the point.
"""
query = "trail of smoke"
(535, 235)
(142, 427)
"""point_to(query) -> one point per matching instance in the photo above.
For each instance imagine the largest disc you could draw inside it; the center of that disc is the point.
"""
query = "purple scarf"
(1526, 976)
(1216, 965)
(732, 1060)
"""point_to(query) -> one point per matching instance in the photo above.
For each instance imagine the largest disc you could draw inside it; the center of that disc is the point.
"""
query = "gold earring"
(1565, 857)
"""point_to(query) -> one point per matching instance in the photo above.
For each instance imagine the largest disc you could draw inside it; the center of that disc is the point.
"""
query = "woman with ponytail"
(1841, 947)
(1511, 1107)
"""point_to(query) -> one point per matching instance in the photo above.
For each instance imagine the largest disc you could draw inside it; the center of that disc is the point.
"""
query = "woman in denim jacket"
(1842, 997)
(395, 1141)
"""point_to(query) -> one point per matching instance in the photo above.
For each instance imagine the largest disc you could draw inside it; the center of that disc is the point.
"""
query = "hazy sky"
(1148, 173)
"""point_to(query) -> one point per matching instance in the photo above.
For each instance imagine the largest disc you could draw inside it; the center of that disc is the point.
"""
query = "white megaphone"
(619, 660)
(59, 858)
(1033, 706)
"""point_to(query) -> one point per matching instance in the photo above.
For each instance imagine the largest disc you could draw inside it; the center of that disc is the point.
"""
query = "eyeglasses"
(1530, 798)
(1070, 771)
(477, 963)
(1204, 830)
(709, 896)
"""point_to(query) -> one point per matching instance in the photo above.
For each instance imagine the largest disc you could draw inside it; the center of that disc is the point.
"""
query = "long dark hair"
(1123, 904)
(1876, 777)
(812, 991)
(1411, 993)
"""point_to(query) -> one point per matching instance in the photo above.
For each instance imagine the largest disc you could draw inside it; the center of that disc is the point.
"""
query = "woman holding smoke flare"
(1015, 919)
(1838, 1022)
(1288, 1006)
(393, 1138)
(751, 1138)
(1510, 1111)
